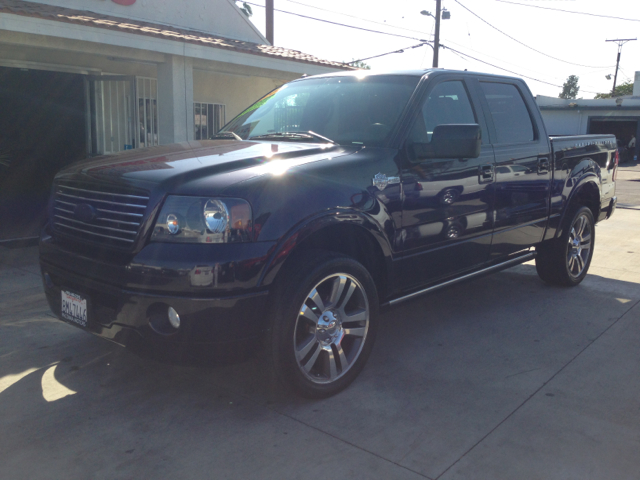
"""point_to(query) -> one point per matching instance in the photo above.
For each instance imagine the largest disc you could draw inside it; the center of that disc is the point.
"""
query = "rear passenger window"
(510, 114)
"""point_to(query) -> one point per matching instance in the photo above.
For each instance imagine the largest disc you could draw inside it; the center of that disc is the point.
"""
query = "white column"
(636, 85)
(175, 99)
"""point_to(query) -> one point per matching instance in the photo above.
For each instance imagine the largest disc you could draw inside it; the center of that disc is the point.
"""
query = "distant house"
(89, 77)
(618, 116)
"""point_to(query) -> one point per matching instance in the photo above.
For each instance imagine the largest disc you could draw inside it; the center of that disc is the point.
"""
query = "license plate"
(74, 308)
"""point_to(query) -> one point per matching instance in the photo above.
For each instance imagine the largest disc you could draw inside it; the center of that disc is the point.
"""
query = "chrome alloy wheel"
(331, 328)
(579, 246)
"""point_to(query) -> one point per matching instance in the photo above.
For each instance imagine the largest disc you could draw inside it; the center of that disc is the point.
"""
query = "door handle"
(543, 165)
(485, 173)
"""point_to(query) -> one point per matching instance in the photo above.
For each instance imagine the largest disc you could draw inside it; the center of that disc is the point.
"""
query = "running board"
(494, 268)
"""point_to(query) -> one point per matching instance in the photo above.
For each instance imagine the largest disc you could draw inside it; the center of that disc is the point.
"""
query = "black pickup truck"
(330, 197)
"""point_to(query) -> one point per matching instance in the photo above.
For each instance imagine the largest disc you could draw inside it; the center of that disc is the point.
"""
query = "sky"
(577, 41)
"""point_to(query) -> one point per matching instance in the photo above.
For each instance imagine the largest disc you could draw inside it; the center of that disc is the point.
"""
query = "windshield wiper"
(293, 136)
(225, 135)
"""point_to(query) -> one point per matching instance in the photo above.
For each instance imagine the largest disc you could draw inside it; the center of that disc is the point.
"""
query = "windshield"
(347, 110)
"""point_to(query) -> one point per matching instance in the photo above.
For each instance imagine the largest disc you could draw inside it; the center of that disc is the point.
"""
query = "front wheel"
(565, 260)
(324, 323)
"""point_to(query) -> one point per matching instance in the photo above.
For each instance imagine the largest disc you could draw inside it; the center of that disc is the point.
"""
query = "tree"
(621, 90)
(246, 9)
(570, 88)
(359, 64)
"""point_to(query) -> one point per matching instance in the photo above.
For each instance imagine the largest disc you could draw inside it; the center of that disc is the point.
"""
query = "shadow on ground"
(446, 370)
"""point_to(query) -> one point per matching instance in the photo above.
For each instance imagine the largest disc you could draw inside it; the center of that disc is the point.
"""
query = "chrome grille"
(99, 214)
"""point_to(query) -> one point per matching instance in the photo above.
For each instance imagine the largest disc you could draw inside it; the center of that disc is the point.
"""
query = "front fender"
(311, 226)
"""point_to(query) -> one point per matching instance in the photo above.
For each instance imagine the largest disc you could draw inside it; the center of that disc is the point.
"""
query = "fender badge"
(380, 181)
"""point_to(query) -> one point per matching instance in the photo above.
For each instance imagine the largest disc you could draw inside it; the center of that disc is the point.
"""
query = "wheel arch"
(350, 233)
(586, 192)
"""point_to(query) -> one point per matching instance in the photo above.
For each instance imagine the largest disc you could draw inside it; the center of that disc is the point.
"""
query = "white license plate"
(74, 308)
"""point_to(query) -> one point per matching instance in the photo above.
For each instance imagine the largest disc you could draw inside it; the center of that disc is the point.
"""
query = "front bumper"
(220, 324)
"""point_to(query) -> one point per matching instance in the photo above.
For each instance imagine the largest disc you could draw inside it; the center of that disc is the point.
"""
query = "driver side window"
(447, 103)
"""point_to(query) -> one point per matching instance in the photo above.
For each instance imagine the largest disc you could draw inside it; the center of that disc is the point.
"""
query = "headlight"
(203, 220)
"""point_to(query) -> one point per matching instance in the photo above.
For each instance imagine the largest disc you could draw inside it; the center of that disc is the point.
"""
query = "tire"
(324, 323)
(565, 260)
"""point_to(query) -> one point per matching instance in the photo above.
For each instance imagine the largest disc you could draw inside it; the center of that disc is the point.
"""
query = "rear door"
(447, 216)
(522, 173)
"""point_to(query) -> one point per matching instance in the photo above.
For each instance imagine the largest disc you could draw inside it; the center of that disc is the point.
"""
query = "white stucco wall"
(236, 91)
(572, 118)
(219, 17)
(563, 122)
(175, 100)
(576, 122)
(113, 61)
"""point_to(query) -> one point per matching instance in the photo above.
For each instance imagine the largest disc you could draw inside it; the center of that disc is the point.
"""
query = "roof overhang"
(567, 108)
(45, 20)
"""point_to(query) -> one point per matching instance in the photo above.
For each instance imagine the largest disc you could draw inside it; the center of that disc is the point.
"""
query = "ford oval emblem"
(85, 212)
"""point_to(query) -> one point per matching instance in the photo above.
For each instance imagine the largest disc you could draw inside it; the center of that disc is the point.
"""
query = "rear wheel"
(324, 323)
(565, 260)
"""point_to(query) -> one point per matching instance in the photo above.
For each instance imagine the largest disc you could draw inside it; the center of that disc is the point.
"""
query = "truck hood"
(182, 163)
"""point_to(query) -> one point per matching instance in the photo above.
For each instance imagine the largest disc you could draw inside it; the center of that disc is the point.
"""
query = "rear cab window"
(511, 117)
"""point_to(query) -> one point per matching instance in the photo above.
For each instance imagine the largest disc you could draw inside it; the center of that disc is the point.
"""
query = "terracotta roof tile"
(97, 20)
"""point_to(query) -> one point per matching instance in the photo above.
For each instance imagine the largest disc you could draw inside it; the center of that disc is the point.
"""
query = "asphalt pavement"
(628, 185)
(504, 377)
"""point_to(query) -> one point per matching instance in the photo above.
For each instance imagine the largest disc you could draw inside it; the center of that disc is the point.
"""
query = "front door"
(447, 217)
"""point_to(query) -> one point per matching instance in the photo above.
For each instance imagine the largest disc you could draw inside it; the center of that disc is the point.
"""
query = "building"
(88, 77)
(616, 116)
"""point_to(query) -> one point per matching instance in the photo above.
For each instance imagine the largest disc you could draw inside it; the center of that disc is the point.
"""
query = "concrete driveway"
(501, 378)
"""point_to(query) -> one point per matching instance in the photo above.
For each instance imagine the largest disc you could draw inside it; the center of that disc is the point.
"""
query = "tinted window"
(348, 110)
(510, 115)
(448, 103)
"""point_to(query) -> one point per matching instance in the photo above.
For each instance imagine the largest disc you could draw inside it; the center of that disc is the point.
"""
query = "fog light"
(174, 318)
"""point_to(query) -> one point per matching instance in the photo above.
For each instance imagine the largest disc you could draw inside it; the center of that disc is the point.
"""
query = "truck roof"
(412, 73)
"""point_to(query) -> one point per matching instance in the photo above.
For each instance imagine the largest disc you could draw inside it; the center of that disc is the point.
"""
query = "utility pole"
(436, 41)
(620, 42)
(269, 12)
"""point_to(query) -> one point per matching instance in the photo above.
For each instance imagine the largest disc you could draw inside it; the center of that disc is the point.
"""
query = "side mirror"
(451, 141)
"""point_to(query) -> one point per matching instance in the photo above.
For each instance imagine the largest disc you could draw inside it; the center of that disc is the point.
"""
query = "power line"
(515, 65)
(500, 68)
(570, 11)
(490, 56)
(524, 44)
(624, 72)
(389, 53)
(506, 70)
(354, 16)
(458, 55)
(340, 24)
(425, 42)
